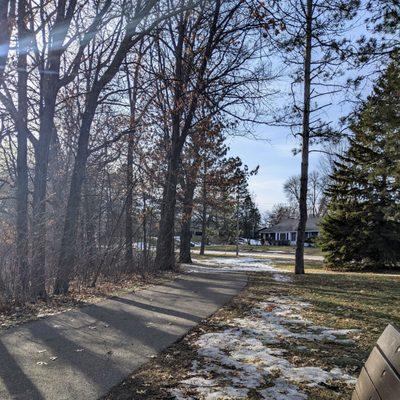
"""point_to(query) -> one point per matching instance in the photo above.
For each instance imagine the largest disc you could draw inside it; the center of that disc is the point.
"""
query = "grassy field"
(365, 302)
(261, 249)
(310, 266)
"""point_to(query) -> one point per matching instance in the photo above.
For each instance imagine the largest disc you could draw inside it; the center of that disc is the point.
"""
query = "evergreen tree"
(362, 226)
(249, 217)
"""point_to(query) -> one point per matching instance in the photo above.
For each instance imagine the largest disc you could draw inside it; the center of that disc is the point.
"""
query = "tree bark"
(186, 235)
(237, 222)
(22, 150)
(67, 250)
(132, 92)
(299, 268)
(90, 232)
(204, 212)
(50, 85)
(42, 151)
(7, 14)
(144, 228)
(165, 252)
(129, 206)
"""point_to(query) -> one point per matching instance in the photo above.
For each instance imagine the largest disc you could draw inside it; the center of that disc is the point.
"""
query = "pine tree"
(362, 227)
(249, 217)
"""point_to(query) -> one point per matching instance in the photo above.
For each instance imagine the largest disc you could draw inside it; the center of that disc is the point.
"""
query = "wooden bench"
(380, 377)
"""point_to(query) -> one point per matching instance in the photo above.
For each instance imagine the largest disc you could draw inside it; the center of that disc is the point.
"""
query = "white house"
(285, 231)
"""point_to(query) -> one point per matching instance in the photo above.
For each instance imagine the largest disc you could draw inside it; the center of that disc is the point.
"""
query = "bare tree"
(312, 40)
(210, 63)
(315, 192)
(106, 67)
(291, 188)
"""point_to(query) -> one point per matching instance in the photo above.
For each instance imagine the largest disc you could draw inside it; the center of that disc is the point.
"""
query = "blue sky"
(273, 150)
(274, 156)
(273, 153)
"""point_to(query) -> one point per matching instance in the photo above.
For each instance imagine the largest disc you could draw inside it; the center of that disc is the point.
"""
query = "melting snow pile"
(242, 264)
(245, 356)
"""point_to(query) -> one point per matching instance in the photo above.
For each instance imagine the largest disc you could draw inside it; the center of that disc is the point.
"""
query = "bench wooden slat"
(354, 396)
(389, 343)
(384, 378)
(365, 389)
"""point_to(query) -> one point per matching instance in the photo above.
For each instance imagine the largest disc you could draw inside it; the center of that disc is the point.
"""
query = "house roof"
(290, 225)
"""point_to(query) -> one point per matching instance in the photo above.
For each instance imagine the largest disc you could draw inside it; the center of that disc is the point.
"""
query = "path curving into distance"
(82, 354)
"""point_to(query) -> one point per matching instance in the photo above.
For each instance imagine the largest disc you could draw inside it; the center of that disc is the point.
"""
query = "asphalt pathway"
(81, 354)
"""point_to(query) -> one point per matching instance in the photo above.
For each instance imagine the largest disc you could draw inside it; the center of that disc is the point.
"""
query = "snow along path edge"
(247, 355)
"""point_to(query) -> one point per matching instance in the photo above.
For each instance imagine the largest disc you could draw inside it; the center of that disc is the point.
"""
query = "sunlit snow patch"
(238, 359)
(242, 264)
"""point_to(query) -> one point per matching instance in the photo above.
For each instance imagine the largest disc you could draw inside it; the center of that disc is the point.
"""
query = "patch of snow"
(282, 390)
(274, 317)
(238, 359)
(281, 278)
(199, 381)
(242, 264)
(179, 395)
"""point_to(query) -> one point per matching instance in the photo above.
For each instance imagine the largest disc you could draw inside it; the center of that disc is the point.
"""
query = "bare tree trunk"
(165, 253)
(299, 268)
(67, 250)
(7, 14)
(237, 222)
(129, 205)
(22, 165)
(48, 93)
(132, 92)
(204, 213)
(165, 257)
(90, 229)
(42, 150)
(49, 87)
(186, 235)
(144, 228)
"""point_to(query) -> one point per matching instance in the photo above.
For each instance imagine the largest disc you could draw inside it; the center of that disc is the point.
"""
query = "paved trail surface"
(81, 354)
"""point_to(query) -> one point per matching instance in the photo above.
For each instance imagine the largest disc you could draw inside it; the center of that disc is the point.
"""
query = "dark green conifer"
(362, 226)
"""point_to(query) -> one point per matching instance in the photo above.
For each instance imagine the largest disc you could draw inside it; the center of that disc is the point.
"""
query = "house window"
(293, 236)
(311, 234)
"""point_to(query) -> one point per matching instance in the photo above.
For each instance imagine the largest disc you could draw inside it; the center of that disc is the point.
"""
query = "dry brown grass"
(365, 302)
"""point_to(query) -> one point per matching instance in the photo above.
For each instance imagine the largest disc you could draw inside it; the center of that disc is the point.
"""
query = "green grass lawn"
(260, 249)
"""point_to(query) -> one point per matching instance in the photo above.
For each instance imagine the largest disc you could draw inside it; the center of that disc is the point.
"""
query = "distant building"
(285, 232)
